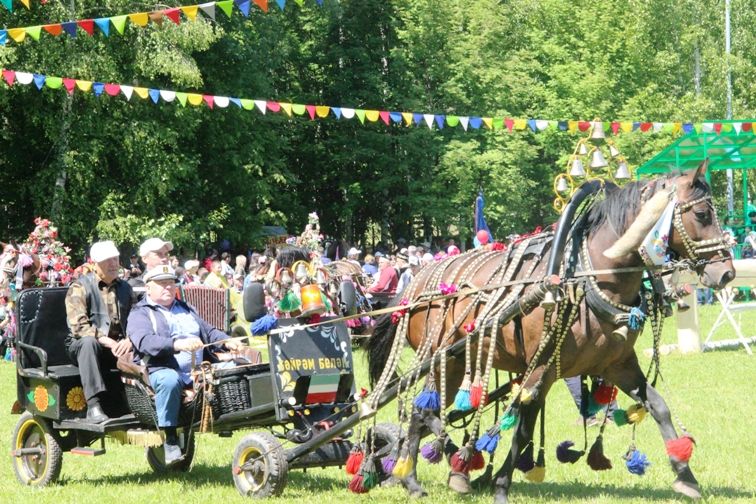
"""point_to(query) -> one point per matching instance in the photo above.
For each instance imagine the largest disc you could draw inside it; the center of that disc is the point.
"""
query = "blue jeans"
(167, 385)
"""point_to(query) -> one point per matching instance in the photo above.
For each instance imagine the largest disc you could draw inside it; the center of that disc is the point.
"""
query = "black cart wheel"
(259, 467)
(156, 456)
(37, 457)
(384, 437)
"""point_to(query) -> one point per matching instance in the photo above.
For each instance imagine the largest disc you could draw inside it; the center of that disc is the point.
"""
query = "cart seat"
(54, 372)
(42, 325)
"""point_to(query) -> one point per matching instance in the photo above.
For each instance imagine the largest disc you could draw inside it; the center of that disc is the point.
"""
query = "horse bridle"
(694, 248)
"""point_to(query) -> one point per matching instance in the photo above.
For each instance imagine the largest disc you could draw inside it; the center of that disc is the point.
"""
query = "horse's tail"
(379, 346)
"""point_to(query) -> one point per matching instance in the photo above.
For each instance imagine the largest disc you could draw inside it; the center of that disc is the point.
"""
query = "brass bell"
(285, 278)
(613, 150)
(320, 277)
(623, 172)
(577, 169)
(301, 272)
(583, 149)
(597, 133)
(562, 186)
(597, 160)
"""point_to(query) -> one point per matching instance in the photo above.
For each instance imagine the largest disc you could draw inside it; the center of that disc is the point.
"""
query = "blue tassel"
(462, 400)
(263, 325)
(428, 399)
(635, 321)
(636, 462)
(487, 442)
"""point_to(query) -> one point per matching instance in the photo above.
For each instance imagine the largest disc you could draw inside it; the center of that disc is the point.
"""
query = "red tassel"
(680, 449)
(476, 392)
(356, 485)
(477, 462)
(605, 394)
(354, 461)
(460, 461)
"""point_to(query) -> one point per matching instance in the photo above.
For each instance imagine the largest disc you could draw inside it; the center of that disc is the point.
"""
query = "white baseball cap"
(103, 250)
(414, 260)
(153, 245)
(354, 251)
(160, 272)
(191, 263)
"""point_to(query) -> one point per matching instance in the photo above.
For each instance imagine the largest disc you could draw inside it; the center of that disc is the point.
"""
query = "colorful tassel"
(462, 399)
(636, 318)
(488, 441)
(620, 417)
(636, 413)
(596, 459)
(509, 419)
(476, 392)
(566, 455)
(433, 452)
(477, 462)
(469, 327)
(681, 449)
(525, 461)
(605, 394)
(526, 396)
(388, 463)
(538, 473)
(354, 461)
(369, 473)
(263, 325)
(593, 407)
(403, 467)
(636, 462)
(357, 484)
(429, 398)
(460, 461)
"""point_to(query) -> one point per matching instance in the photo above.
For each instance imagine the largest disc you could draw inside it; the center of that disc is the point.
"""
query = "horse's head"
(696, 233)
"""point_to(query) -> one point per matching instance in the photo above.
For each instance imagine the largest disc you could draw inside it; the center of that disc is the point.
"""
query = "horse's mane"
(287, 257)
(621, 205)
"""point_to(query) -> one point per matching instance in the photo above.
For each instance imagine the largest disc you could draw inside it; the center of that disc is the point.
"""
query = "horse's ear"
(700, 172)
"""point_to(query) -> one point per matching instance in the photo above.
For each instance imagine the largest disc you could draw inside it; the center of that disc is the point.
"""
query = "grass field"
(712, 394)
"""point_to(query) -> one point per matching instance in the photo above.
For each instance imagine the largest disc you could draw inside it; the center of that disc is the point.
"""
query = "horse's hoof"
(418, 493)
(687, 489)
(390, 481)
(459, 482)
(500, 498)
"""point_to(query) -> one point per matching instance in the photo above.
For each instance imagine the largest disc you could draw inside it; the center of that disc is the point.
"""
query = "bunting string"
(397, 118)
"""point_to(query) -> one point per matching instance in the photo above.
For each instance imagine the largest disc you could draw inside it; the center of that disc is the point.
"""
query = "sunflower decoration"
(75, 399)
(41, 398)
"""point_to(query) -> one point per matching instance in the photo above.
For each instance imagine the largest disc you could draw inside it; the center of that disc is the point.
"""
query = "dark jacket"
(157, 347)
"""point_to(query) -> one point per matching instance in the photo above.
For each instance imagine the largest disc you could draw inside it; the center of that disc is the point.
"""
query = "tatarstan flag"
(323, 388)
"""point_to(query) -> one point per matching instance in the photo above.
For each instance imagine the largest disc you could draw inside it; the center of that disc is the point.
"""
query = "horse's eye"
(702, 216)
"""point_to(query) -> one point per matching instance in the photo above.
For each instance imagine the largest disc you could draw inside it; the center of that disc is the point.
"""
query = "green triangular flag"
(299, 2)
(298, 108)
(119, 22)
(247, 104)
(452, 120)
(498, 123)
(698, 127)
(33, 31)
(53, 82)
(360, 115)
(8, 4)
(181, 97)
(226, 6)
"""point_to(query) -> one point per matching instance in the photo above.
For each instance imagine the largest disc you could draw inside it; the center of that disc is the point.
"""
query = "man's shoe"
(172, 453)
(96, 415)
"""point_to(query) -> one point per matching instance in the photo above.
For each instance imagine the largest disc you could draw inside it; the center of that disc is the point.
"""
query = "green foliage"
(104, 166)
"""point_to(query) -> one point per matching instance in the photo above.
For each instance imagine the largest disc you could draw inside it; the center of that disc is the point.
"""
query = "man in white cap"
(166, 332)
(154, 252)
(97, 307)
(190, 273)
(353, 256)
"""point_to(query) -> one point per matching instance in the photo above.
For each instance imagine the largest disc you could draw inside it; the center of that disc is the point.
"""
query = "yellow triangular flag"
(194, 99)
(17, 34)
(26, 3)
(407, 116)
(322, 111)
(139, 18)
(626, 126)
(489, 122)
(676, 127)
(572, 126)
(190, 11)
(84, 85)
(286, 108)
(142, 92)
(372, 115)
(520, 124)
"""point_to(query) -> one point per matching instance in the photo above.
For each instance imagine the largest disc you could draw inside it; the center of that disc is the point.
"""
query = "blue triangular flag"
(417, 118)
(396, 117)
(8, 4)
(3, 37)
(70, 28)
(320, 2)
(39, 81)
(154, 95)
(281, 4)
(531, 124)
(235, 101)
(688, 127)
(562, 125)
(104, 25)
(636, 125)
(336, 111)
(475, 122)
(440, 121)
(243, 6)
(98, 88)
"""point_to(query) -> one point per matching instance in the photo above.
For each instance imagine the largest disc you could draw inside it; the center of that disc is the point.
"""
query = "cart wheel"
(259, 467)
(43, 458)
(386, 435)
(156, 457)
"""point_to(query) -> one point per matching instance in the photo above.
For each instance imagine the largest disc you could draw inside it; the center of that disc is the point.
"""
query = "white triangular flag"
(658, 127)
(24, 78)
(167, 95)
(541, 124)
(737, 127)
(429, 120)
(347, 113)
(707, 127)
(221, 101)
(464, 121)
(127, 91)
(261, 106)
(209, 9)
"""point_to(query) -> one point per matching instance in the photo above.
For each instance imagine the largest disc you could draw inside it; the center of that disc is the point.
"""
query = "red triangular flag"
(87, 25)
(311, 111)
(173, 14)
(273, 106)
(209, 99)
(384, 116)
(718, 128)
(615, 127)
(584, 125)
(70, 84)
(112, 89)
(510, 123)
(645, 126)
(53, 29)
(263, 4)
(746, 126)
(9, 76)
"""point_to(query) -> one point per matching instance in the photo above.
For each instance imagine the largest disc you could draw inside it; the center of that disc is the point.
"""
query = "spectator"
(387, 279)
(353, 256)
(369, 268)
(240, 269)
(190, 273)
(216, 278)
(226, 269)
(409, 273)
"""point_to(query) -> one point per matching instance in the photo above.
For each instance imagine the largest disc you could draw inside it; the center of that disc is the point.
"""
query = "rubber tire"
(385, 434)
(156, 458)
(275, 468)
(347, 298)
(253, 302)
(33, 431)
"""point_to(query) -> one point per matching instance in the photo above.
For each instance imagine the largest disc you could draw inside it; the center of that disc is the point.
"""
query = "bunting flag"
(388, 118)
(140, 19)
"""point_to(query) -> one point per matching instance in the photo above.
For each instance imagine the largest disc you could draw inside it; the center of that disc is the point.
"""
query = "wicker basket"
(231, 388)
(142, 404)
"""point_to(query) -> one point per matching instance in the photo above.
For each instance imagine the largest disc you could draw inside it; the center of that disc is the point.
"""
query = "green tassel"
(620, 417)
(508, 420)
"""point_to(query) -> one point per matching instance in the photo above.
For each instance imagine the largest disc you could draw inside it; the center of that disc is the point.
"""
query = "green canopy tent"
(727, 145)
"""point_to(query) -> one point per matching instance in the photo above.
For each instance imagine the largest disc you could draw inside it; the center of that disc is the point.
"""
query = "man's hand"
(233, 344)
(107, 342)
(187, 344)
(121, 347)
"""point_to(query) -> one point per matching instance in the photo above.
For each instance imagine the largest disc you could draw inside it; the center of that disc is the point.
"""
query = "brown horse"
(595, 343)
